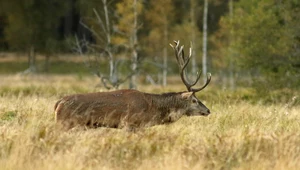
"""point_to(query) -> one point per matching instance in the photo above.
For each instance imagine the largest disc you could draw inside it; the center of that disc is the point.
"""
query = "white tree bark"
(231, 52)
(108, 40)
(165, 56)
(193, 35)
(133, 82)
(204, 57)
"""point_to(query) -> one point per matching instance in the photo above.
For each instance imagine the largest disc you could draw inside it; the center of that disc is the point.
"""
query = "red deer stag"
(132, 108)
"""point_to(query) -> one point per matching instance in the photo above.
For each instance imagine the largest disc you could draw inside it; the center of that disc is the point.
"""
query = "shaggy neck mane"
(165, 101)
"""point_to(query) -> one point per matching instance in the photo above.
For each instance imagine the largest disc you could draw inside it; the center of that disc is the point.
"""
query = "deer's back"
(98, 107)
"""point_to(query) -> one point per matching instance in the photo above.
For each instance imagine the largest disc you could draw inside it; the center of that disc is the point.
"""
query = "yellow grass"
(237, 135)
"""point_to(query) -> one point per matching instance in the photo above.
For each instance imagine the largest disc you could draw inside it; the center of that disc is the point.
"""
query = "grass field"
(239, 134)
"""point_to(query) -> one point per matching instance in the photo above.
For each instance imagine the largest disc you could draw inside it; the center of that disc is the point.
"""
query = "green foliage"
(33, 23)
(260, 37)
(126, 10)
(186, 29)
(160, 17)
(8, 116)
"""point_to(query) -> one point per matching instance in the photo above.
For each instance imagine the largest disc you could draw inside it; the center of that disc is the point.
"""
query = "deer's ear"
(186, 95)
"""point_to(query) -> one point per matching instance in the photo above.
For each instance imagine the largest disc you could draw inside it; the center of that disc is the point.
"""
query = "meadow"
(242, 132)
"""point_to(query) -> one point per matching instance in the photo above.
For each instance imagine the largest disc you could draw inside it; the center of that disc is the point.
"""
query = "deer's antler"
(183, 61)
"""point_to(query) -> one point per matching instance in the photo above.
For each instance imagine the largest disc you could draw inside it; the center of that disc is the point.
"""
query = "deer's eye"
(194, 101)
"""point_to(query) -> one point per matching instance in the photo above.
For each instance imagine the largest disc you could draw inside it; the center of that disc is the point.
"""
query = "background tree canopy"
(265, 38)
(256, 39)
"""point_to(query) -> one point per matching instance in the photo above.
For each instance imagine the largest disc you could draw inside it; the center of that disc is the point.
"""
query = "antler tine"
(182, 63)
(197, 79)
(178, 51)
(207, 82)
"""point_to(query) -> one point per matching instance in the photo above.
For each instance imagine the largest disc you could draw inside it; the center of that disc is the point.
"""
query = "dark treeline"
(245, 38)
(63, 18)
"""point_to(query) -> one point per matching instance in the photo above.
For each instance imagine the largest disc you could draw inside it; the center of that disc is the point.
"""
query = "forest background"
(251, 43)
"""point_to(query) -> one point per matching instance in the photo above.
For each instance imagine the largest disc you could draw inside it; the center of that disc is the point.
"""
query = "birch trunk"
(193, 36)
(165, 56)
(204, 57)
(231, 52)
(32, 60)
(133, 83)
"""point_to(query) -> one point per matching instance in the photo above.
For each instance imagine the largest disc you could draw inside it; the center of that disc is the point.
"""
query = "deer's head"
(195, 106)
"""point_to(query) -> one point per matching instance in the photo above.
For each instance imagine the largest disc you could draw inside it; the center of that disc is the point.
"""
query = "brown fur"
(130, 108)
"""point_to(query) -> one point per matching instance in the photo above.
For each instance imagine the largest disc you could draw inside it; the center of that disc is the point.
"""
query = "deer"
(132, 108)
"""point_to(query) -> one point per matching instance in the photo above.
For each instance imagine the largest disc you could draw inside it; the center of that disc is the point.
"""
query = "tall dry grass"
(237, 135)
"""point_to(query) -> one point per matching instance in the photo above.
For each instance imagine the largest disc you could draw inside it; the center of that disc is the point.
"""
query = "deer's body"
(133, 108)
(123, 108)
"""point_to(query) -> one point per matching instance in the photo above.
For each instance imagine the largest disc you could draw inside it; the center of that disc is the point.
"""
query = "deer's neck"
(168, 103)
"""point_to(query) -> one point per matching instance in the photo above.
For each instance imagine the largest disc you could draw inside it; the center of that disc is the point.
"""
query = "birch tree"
(160, 17)
(204, 50)
(231, 49)
(188, 33)
(193, 4)
(128, 26)
(102, 31)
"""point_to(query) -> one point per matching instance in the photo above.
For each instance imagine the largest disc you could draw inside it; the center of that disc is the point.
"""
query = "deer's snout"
(206, 112)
